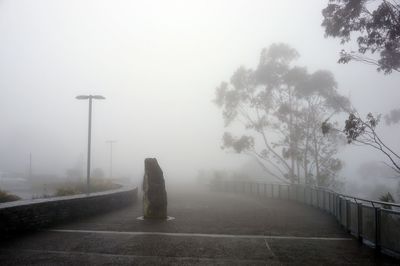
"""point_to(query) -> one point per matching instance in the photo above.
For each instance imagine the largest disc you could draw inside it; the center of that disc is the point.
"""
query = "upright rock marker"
(154, 193)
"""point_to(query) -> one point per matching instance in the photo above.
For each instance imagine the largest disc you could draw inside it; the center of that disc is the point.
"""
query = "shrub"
(97, 185)
(387, 198)
(6, 197)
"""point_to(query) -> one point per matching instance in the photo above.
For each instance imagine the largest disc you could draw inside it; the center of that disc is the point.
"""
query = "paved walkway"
(210, 228)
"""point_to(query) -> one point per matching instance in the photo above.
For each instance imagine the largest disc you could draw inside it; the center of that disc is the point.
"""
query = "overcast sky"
(157, 63)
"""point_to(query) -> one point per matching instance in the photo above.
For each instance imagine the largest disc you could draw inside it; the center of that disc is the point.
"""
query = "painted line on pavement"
(131, 256)
(198, 235)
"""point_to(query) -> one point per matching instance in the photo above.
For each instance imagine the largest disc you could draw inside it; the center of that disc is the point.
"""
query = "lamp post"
(111, 142)
(90, 98)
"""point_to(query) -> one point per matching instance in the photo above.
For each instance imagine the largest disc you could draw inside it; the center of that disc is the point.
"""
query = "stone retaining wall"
(28, 215)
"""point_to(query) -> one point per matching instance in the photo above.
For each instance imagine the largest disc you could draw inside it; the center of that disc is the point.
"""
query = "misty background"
(158, 64)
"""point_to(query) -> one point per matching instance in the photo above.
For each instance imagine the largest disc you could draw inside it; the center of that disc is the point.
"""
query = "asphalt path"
(209, 228)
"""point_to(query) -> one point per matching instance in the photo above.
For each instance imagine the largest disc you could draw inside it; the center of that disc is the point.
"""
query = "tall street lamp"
(111, 142)
(90, 97)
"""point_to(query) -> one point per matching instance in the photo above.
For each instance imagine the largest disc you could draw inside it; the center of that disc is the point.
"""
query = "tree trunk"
(291, 142)
(317, 174)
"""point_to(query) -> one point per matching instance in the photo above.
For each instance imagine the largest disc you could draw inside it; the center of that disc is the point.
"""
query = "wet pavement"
(209, 228)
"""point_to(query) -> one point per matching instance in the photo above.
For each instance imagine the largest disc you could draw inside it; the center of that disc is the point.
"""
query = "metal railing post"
(272, 190)
(334, 204)
(279, 191)
(329, 202)
(340, 210)
(348, 216)
(338, 207)
(334, 199)
(359, 222)
(378, 228)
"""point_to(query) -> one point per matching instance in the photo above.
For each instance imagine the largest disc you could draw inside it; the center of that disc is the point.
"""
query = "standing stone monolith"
(154, 193)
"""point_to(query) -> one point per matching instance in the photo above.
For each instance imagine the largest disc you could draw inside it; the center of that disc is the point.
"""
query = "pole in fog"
(111, 142)
(90, 98)
(30, 166)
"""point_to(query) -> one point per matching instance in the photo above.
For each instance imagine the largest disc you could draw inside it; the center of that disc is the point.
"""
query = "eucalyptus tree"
(376, 26)
(363, 131)
(280, 108)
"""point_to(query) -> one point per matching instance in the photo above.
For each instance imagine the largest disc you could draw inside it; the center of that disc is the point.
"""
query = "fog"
(158, 64)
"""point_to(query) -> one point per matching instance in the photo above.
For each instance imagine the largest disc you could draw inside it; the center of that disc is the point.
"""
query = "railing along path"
(374, 223)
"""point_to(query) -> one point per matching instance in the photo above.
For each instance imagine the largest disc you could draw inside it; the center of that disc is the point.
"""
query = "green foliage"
(376, 24)
(7, 197)
(355, 127)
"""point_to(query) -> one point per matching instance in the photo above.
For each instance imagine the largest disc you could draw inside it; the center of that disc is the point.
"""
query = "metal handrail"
(338, 204)
(372, 202)
(360, 199)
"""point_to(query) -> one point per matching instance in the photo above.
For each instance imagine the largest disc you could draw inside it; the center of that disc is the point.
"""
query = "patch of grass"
(7, 197)
(97, 185)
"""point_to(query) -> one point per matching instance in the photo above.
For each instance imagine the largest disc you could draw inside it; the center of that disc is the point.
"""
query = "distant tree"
(375, 24)
(393, 117)
(282, 107)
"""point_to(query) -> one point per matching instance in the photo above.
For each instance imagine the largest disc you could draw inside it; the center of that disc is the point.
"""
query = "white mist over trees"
(376, 27)
(157, 63)
(283, 105)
